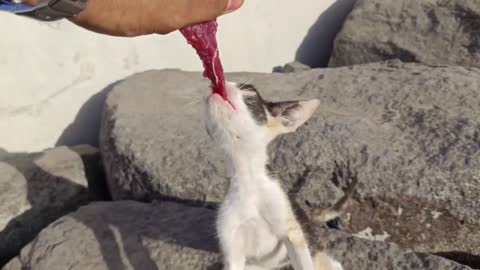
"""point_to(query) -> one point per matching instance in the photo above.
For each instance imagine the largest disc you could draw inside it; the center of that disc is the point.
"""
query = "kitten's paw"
(336, 265)
(323, 262)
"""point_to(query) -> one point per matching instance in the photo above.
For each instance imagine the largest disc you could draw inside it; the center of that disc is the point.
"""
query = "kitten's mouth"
(224, 99)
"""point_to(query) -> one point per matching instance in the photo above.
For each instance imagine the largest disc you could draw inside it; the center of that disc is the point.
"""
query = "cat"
(256, 225)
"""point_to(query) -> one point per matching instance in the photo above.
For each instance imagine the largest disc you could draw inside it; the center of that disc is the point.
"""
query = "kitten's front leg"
(278, 213)
(297, 247)
(232, 242)
(234, 259)
(234, 264)
(324, 262)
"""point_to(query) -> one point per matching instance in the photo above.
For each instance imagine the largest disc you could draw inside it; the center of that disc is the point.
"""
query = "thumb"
(198, 11)
(233, 5)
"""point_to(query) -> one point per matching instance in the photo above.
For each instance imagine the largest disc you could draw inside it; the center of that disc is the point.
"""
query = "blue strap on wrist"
(10, 6)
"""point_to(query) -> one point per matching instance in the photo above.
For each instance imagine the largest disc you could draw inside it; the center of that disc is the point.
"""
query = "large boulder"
(411, 131)
(154, 144)
(125, 235)
(133, 235)
(3, 152)
(435, 32)
(36, 189)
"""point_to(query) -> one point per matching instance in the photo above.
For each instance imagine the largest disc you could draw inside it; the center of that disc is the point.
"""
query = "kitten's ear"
(292, 114)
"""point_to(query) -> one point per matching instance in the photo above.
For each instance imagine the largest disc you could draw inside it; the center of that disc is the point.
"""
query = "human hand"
(143, 17)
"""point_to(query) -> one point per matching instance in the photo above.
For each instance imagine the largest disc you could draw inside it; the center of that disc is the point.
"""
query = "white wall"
(53, 74)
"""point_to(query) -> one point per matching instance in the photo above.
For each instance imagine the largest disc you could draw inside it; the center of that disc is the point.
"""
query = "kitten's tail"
(324, 215)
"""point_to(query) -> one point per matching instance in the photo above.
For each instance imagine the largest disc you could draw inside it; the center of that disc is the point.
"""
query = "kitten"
(256, 225)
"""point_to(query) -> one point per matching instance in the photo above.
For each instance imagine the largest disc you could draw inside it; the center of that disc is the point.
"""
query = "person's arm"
(142, 17)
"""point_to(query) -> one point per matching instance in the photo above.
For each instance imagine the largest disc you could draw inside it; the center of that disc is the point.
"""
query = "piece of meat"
(202, 37)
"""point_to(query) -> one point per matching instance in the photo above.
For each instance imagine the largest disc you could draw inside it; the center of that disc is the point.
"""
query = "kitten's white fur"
(256, 225)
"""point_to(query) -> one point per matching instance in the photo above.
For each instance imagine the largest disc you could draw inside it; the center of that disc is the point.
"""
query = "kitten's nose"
(218, 100)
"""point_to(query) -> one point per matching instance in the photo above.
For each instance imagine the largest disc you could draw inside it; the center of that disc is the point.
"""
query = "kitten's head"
(250, 121)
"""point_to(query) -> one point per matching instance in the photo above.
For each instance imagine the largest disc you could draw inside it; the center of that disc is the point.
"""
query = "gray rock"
(356, 253)
(295, 67)
(133, 235)
(163, 152)
(3, 152)
(412, 132)
(435, 32)
(125, 235)
(36, 189)
(415, 224)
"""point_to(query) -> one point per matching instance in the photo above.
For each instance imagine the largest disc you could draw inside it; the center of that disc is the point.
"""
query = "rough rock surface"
(125, 235)
(435, 32)
(3, 152)
(411, 131)
(163, 152)
(295, 67)
(133, 235)
(359, 254)
(36, 189)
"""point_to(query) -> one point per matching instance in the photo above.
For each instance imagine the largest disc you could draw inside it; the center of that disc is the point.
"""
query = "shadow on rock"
(317, 46)
(461, 257)
(128, 235)
(49, 185)
(86, 126)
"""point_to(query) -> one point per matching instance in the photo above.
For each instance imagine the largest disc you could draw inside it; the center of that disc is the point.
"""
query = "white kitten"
(256, 224)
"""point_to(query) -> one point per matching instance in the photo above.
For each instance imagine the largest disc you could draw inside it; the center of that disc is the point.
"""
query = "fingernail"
(233, 5)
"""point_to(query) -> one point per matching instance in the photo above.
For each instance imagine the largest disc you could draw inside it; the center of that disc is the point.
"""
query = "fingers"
(142, 17)
(182, 13)
(233, 5)
(206, 10)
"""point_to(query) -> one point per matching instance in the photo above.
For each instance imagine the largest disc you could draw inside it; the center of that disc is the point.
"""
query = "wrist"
(54, 9)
